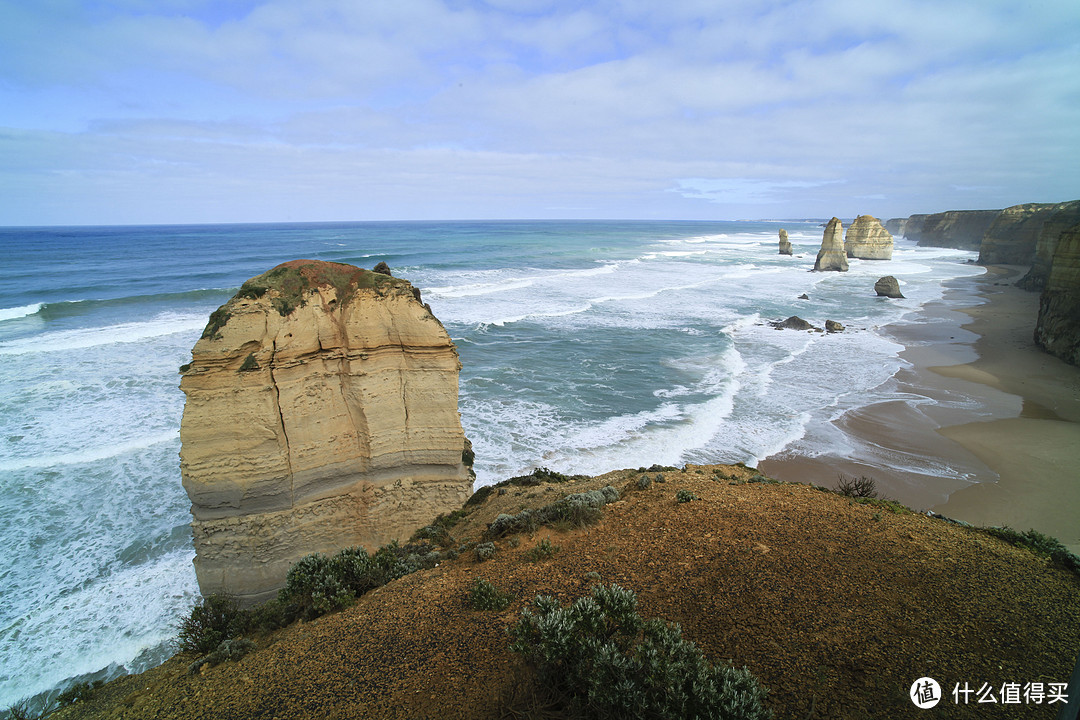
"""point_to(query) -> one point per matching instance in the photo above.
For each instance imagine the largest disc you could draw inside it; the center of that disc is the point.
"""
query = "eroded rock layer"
(867, 239)
(1058, 326)
(321, 413)
(1014, 235)
(831, 256)
(1046, 244)
(961, 229)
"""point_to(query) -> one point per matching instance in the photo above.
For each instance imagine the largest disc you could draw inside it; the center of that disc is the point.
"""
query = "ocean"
(586, 347)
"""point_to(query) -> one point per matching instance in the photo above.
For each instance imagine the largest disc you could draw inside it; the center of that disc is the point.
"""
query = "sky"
(206, 111)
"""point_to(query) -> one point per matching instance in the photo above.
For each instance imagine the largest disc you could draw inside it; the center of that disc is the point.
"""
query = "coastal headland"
(836, 605)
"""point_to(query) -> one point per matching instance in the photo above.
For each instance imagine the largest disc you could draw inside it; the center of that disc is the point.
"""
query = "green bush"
(607, 662)
(573, 511)
(213, 620)
(485, 596)
(1042, 545)
(78, 692)
(685, 496)
(319, 584)
(485, 551)
(543, 550)
(231, 649)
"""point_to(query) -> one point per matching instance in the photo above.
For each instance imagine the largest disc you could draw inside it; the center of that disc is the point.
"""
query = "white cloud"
(736, 105)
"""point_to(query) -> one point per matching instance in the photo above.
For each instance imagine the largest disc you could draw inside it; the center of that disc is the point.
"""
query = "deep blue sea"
(586, 346)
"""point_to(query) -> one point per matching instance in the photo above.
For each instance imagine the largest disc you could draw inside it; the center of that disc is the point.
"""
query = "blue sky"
(163, 111)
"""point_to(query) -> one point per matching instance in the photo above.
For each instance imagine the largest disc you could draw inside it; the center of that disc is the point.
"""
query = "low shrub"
(644, 482)
(863, 487)
(573, 511)
(543, 550)
(485, 551)
(607, 662)
(485, 596)
(212, 620)
(685, 496)
(79, 692)
(231, 649)
(319, 584)
(1042, 545)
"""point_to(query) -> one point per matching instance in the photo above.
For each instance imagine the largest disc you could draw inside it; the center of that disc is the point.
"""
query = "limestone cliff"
(321, 413)
(1058, 327)
(866, 239)
(785, 244)
(1046, 244)
(1012, 237)
(961, 229)
(831, 256)
(896, 226)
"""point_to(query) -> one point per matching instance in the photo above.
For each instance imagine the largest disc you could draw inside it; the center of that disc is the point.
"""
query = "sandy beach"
(1000, 417)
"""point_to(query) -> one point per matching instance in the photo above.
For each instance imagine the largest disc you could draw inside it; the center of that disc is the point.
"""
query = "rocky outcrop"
(1046, 245)
(785, 244)
(831, 256)
(866, 239)
(960, 229)
(888, 286)
(896, 225)
(1012, 238)
(1058, 328)
(321, 413)
(792, 323)
(831, 326)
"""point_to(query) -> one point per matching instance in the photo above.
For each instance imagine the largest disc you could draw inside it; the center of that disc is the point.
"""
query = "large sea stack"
(321, 413)
(785, 244)
(867, 239)
(1058, 327)
(831, 256)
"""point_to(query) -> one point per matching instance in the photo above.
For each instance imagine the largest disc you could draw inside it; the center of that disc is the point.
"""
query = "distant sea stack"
(1058, 328)
(831, 256)
(867, 239)
(785, 244)
(321, 413)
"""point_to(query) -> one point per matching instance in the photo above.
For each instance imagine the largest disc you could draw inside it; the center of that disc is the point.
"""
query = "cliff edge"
(321, 413)
(1058, 328)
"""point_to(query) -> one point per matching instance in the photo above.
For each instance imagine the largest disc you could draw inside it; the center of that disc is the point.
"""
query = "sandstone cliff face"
(1046, 245)
(831, 256)
(866, 239)
(321, 413)
(1012, 238)
(896, 226)
(960, 229)
(785, 244)
(1058, 327)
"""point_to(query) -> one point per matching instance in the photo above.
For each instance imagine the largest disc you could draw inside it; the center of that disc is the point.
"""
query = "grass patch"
(543, 551)
(218, 319)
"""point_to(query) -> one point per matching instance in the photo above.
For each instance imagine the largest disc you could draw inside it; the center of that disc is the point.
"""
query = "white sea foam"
(64, 340)
(19, 312)
(94, 454)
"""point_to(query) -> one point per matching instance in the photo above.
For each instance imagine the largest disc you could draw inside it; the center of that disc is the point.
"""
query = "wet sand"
(988, 430)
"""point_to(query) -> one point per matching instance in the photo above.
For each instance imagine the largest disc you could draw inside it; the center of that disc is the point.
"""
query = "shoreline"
(986, 427)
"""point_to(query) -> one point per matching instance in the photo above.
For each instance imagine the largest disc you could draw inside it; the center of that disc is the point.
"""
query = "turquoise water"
(586, 346)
